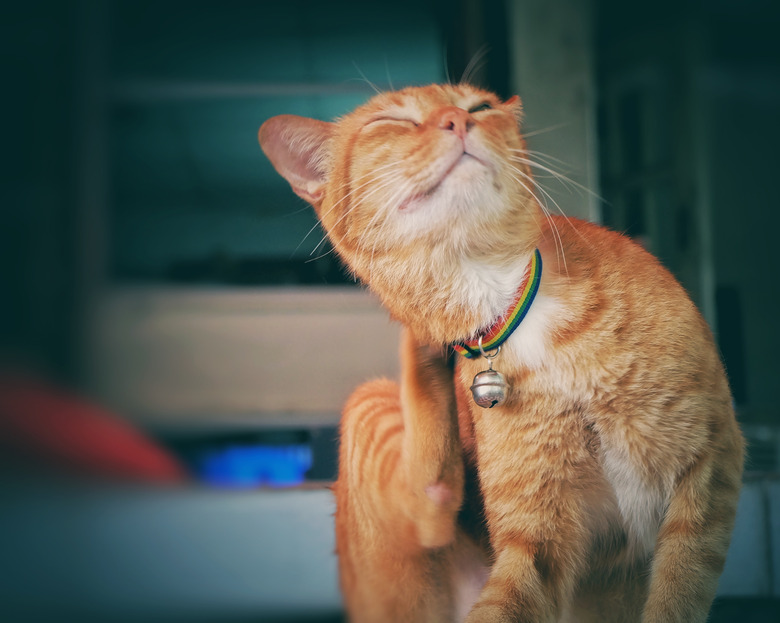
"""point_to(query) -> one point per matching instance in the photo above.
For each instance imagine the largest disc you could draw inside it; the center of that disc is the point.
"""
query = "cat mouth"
(417, 198)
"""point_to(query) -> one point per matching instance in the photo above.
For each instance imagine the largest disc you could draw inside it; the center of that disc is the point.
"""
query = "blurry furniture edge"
(88, 552)
(179, 551)
(753, 561)
(176, 356)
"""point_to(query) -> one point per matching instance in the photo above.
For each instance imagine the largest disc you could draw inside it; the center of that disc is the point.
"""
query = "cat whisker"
(543, 205)
(546, 193)
(547, 167)
(387, 179)
(551, 128)
(370, 178)
(318, 223)
(375, 88)
(387, 74)
(319, 257)
(542, 156)
(402, 191)
(530, 189)
(475, 64)
(565, 180)
(559, 167)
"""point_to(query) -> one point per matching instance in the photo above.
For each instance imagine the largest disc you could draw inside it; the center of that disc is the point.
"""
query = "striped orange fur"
(605, 487)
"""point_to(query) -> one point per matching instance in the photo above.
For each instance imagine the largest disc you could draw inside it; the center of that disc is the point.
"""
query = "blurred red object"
(55, 427)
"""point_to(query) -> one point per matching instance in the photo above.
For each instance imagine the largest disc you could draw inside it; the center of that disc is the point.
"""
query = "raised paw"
(436, 515)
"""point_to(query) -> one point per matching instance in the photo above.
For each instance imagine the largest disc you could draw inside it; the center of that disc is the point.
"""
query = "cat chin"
(464, 202)
(443, 219)
(458, 174)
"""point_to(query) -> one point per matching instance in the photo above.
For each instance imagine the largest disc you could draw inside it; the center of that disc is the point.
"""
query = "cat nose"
(454, 119)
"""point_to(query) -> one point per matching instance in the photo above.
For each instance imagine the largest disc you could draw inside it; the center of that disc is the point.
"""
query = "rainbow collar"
(495, 335)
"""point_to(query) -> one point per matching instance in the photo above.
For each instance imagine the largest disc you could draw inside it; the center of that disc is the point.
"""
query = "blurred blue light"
(257, 465)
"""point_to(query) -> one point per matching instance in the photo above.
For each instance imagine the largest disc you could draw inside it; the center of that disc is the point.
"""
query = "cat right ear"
(298, 147)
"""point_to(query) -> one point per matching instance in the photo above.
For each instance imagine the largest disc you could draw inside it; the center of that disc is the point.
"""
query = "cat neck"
(491, 289)
(450, 298)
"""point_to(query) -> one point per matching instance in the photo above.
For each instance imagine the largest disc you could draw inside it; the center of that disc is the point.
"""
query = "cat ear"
(298, 147)
(516, 106)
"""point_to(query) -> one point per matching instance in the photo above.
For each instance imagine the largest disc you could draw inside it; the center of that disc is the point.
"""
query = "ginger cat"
(604, 486)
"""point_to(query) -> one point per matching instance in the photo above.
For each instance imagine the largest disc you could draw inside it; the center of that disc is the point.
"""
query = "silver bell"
(489, 388)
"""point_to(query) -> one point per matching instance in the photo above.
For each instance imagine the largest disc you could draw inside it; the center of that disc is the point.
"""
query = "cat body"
(604, 487)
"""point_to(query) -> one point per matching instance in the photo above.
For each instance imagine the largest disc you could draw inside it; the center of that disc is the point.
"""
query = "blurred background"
(177, 339)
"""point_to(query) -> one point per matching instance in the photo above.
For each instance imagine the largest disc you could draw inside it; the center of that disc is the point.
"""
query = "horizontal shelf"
(227, 356)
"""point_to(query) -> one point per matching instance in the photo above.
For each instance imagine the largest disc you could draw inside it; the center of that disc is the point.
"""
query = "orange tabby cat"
(603, 485)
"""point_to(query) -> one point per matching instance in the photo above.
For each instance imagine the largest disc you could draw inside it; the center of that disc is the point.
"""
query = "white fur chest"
(530, 343)
(640, 502)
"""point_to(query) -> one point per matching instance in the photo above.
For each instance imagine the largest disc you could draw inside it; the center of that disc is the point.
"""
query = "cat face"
(426, 163)
(410, 170)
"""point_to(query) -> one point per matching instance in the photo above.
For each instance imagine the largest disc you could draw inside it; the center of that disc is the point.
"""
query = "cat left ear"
(515, 105)
(298, 147)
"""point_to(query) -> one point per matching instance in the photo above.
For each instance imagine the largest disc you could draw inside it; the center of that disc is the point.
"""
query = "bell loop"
(489, 355)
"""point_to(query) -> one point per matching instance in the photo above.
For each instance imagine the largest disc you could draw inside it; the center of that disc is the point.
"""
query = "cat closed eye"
(398, 120)
(480, 107)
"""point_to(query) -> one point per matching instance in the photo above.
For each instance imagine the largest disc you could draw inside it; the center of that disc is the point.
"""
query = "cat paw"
(439, 493)
(436, 515)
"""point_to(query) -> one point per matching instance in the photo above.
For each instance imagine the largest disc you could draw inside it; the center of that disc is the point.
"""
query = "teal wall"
(188, 89)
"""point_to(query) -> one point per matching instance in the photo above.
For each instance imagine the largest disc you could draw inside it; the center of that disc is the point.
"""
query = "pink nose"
(453, 119)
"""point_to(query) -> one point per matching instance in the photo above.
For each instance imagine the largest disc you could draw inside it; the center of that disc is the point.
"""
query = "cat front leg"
(400, 450)
(431, 455)
(694, 537)
(386, 574)
(398, 492)
(535, 508)
(530, 582)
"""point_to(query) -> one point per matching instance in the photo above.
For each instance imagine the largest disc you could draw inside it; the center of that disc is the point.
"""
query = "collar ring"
(491, 354)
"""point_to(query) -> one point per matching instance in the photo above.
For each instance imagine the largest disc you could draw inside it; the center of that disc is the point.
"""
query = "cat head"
(413, 182)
